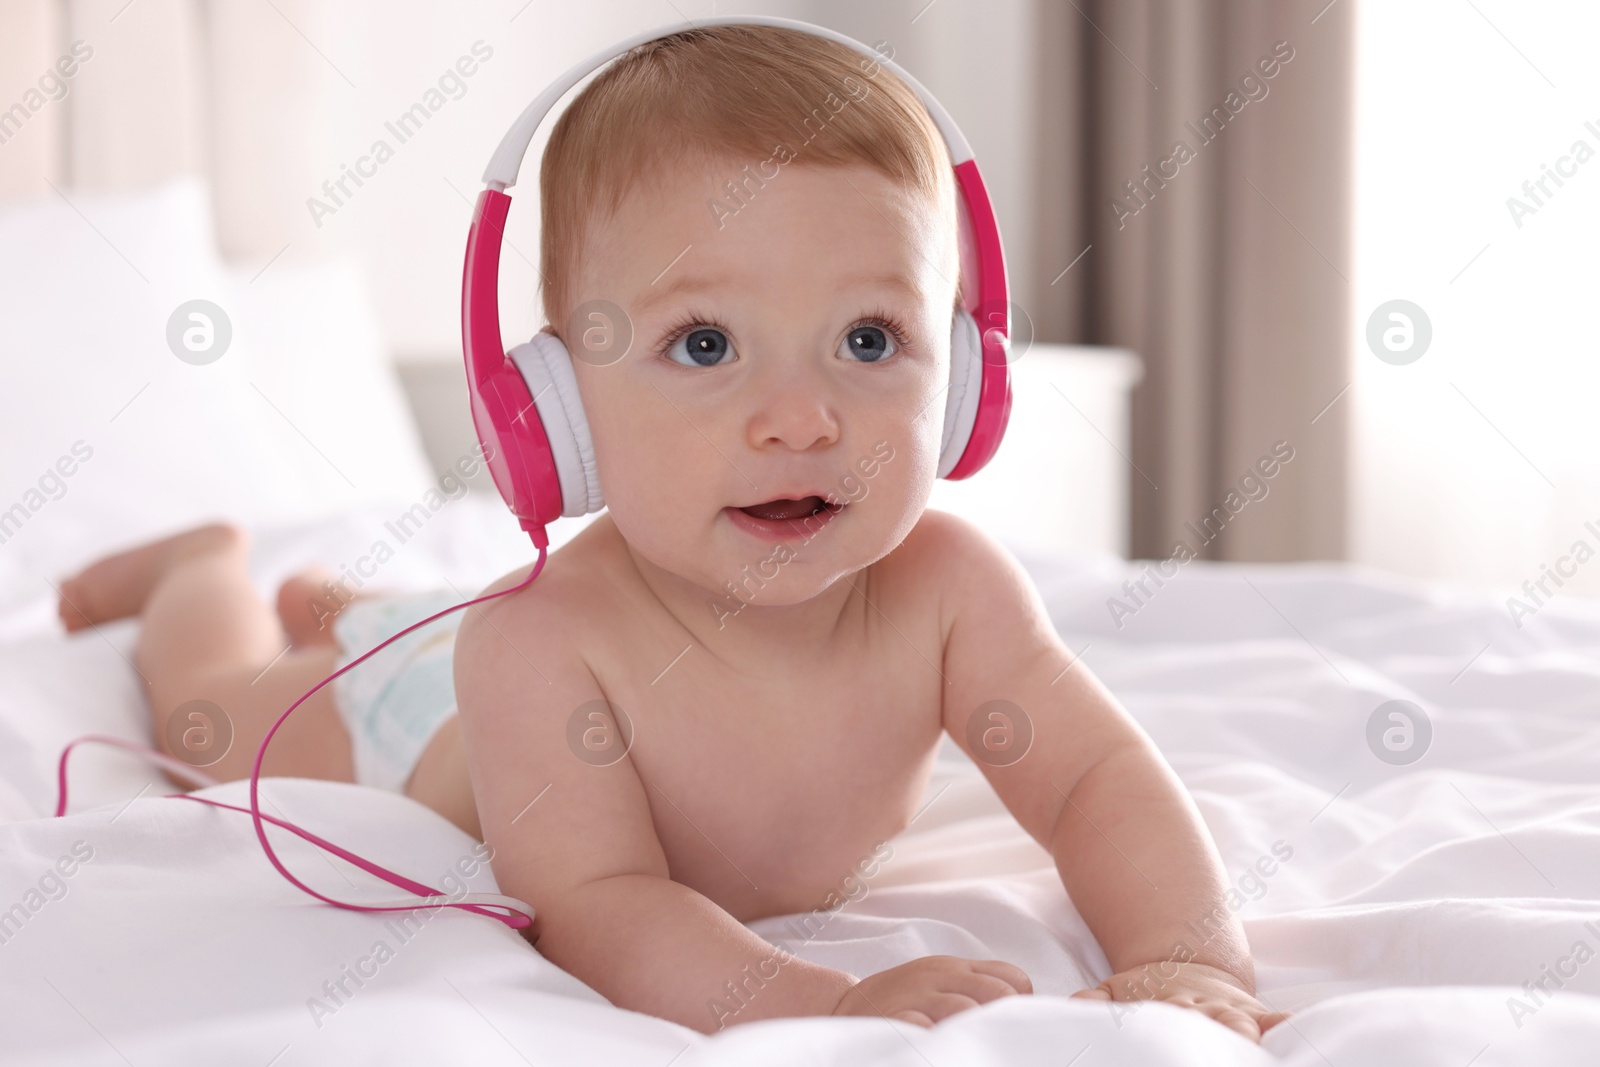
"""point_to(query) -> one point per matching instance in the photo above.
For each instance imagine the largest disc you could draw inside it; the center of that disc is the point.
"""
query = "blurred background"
(1354, 234)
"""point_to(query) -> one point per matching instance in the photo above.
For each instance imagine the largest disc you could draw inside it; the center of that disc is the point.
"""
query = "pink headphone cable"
(519, 916)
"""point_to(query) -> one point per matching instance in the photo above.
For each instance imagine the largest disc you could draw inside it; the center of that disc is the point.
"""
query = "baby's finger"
(980, 987)
(911, 1015)
(1096, 993)
(1009, 973)
(1271, 1019)
(940, 1006)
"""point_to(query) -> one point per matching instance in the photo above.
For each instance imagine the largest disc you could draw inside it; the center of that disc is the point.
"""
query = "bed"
(1401, 780)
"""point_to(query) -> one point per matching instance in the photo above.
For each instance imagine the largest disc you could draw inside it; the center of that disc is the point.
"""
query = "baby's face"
(796, 346)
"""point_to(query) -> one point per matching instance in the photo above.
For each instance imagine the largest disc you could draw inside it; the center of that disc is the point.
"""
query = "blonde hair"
(725, 93)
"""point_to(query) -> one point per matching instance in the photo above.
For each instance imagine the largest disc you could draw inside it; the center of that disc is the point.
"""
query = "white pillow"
(108, 437)
(315, 350)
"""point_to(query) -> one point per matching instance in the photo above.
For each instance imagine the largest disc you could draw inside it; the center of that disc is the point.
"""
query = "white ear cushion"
(966, 377)
(547, 368)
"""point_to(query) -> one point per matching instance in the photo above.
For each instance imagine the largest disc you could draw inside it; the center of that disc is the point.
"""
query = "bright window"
(1477, 168)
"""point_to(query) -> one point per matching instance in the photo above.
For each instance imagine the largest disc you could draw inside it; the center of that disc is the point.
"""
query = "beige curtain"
(230, 91)
(1195, 198)
(32, 129)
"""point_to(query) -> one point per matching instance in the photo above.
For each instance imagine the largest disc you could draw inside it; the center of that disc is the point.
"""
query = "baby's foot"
(118, 585)
(306, 608)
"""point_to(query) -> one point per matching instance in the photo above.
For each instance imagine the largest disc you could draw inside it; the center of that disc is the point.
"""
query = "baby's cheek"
(644, 451)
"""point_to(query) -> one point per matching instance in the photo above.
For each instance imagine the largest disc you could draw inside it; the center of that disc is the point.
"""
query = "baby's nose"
(794, 414)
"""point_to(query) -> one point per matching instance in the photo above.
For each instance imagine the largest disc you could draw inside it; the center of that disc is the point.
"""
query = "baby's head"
(775, 216)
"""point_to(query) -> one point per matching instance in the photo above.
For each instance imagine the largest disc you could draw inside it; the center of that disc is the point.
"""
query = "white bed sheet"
(1416, 903)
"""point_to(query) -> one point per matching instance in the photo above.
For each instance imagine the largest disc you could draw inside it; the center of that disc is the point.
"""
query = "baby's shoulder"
(573, 595)
(938, 536)
(937, 562)
(939, 549)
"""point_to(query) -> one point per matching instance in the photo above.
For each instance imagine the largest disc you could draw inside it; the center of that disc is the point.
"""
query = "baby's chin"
(739, 559)
(797, 569)
(759, 568)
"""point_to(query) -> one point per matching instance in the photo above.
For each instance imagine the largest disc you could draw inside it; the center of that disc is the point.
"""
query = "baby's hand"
(1210, 990)
(931, 988)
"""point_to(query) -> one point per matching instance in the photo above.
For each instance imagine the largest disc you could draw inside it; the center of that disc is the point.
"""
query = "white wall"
(1478, 462)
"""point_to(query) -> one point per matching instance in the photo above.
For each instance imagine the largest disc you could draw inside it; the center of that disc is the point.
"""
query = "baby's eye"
(704, 347)
(868, 344)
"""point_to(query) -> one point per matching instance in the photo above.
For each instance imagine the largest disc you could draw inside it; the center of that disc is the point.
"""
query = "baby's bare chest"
(770, 784)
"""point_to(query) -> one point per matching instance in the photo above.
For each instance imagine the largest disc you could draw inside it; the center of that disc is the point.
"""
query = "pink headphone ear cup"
(961, 401)
(546, 366)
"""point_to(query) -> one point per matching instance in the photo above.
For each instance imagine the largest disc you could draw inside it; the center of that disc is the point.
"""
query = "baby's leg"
(207, 635)
(308, 602)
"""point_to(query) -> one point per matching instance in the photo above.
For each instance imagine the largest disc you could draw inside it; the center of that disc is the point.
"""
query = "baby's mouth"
(782, 510)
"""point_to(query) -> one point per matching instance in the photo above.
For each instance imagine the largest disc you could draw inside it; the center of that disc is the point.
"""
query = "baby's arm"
(1128, 841)
(585, 853)
(576, 841)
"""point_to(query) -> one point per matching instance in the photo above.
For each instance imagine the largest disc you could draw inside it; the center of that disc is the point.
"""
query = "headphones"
(544, 466)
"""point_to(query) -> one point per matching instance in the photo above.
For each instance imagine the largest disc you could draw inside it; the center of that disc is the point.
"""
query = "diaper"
(394, 702)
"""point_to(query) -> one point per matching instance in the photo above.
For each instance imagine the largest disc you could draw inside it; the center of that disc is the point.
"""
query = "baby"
(722, 695)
